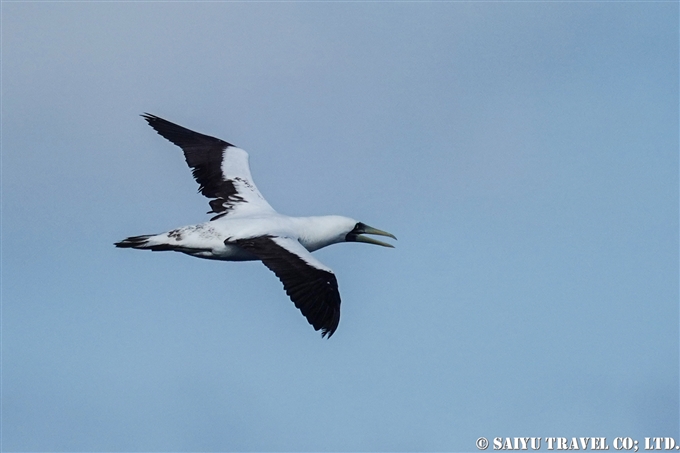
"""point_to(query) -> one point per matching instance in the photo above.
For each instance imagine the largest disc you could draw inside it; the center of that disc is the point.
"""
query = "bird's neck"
(318, 232)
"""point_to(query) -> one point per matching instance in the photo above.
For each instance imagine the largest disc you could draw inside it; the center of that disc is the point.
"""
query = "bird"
(245, 227)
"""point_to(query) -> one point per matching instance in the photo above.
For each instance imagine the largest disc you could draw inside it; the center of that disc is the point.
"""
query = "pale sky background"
(525, 155)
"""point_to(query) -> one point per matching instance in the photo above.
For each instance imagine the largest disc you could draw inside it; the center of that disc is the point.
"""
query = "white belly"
(223, 253)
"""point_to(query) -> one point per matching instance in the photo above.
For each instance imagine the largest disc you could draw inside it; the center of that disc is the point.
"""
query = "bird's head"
(318, 232)
(355, 235)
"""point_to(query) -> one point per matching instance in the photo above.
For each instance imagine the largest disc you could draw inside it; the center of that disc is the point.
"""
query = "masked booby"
(245, 227)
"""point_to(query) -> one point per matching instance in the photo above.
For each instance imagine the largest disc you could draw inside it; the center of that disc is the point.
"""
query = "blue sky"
(525, 155)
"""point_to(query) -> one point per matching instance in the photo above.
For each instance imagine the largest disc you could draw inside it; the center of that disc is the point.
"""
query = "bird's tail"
(144, 242)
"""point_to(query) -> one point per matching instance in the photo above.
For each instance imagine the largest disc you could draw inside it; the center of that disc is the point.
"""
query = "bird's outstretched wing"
(220, 168)
(311, 286)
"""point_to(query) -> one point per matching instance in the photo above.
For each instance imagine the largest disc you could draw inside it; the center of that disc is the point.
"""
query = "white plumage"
(246, 227)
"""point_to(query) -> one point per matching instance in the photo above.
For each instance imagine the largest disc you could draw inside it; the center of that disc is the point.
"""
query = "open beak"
(365, 229)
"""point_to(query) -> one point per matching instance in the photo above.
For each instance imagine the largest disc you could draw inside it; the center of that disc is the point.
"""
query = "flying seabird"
(245, 227)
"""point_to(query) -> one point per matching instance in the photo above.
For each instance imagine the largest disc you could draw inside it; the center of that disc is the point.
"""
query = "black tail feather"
(140, 242)
(135, 242)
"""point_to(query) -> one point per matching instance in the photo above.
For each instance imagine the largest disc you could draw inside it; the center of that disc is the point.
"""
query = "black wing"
(208, 157)
(311, 286)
